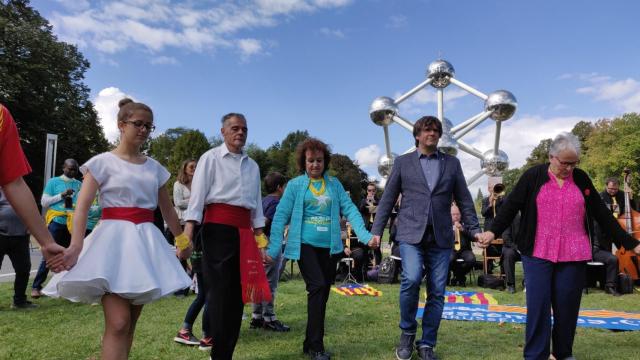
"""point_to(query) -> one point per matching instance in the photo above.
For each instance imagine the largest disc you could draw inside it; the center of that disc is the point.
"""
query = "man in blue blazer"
(429, 181)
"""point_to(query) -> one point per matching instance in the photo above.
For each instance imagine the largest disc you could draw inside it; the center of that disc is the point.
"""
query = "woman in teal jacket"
(311, 205)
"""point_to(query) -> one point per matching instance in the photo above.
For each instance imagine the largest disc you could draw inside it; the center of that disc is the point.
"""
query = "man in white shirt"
(226, 185)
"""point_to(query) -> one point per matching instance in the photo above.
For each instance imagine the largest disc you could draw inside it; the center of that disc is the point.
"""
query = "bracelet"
(182, 241)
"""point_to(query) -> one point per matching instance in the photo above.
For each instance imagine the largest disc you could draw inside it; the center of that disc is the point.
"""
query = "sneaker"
(256, 323)
(186, 337)
(276, 325)
(24, 305)
(426, 353)
(612, 291)
(36, 293)
(206, 343)
(319, 355)
(405, 346)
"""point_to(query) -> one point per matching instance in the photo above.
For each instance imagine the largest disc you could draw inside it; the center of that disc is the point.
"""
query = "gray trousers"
(266, 310)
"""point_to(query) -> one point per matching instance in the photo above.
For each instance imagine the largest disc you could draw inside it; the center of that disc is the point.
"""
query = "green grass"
(356, 328)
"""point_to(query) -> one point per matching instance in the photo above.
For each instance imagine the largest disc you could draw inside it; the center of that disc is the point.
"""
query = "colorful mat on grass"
(356, 289)
(604, 319)
(469, 297)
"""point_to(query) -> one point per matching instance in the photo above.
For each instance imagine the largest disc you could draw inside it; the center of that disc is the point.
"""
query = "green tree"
(282, 155)
(161, 147)
(478, 201)
(42, 85)
(350, 175)
(190, 145)
(612, 146)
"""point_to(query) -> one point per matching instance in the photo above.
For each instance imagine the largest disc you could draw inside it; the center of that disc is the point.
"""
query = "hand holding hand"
(53, 255)
(374, 243)
(184, 254)
(637, 250)
(70, 256)
(347, 251)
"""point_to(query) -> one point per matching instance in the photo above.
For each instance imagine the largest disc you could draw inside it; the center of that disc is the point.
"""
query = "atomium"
(499, 105)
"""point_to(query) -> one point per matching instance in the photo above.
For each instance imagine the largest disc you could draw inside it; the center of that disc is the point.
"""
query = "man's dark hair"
(312, 144)
(273, 180)
(232, 115)
(426, 122)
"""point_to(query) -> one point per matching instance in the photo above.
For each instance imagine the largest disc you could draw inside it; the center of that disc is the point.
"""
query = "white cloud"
(106, 104)
(397, 22)
(624, 94)
(249, 47)
(164, 60)
(332, 32)
(368, 155)
(158, 25)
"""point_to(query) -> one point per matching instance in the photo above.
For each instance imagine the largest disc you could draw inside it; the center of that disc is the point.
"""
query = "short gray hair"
(564, 141)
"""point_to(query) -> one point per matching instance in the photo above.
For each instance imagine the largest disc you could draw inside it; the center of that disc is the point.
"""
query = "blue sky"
(316, 65)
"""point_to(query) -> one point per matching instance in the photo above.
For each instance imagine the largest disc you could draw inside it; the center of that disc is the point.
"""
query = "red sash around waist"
(133, 214)
(255, 287)
(228, 215)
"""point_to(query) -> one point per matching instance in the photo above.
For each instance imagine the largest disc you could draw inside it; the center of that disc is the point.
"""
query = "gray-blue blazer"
(407, 178)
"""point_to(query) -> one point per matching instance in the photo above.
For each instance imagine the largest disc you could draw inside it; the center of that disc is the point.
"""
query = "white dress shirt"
(224, 177)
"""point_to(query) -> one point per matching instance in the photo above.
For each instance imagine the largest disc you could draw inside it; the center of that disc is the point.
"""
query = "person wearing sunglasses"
(558, 205)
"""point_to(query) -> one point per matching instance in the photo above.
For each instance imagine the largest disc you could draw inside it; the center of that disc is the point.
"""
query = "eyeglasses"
(138, 124)
(566, 164)
(371, 190)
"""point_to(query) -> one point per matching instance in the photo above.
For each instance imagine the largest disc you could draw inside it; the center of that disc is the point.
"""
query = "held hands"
(637, 250)
(347, 251)
(485, 238)
(374, 243)
(53, 254)
(184, 246)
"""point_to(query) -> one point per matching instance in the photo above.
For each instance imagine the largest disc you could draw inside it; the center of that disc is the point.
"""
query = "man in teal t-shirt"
(59, 195)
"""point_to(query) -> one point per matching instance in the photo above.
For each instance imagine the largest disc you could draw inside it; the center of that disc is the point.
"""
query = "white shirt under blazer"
(228, 178)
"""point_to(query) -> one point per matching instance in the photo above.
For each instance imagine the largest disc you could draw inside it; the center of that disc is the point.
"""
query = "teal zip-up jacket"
(290, 212)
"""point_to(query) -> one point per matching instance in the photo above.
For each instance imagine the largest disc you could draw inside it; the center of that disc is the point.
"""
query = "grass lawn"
(356, 328)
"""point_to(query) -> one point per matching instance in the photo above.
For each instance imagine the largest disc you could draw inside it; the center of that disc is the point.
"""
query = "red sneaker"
(186, 337)
(206, 343)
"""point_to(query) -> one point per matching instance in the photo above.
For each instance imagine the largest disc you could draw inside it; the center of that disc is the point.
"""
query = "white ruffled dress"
(120, 257)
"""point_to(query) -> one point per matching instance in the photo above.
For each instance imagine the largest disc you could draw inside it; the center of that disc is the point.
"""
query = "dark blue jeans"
(61, 236)
(194, 309)
(556, 286)
(418, 259)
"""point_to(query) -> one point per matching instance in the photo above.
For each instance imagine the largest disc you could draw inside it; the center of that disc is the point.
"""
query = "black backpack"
(491, 281)
(625, 284)
(388, 271)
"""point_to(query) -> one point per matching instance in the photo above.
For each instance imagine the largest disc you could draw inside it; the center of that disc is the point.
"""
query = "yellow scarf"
(51, 214)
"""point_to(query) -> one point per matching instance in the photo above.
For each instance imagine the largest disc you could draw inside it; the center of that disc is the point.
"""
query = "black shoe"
(276, 325)
(24, 305)
(511, 289)
(462, 281)
(426, 353)
(405, 346)
(256, 324)
(612, 291)
(319, 355)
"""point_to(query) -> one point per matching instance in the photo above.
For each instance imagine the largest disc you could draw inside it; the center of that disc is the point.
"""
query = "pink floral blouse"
(560, 232)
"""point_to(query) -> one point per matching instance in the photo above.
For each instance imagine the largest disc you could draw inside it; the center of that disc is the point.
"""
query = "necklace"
(315, 192)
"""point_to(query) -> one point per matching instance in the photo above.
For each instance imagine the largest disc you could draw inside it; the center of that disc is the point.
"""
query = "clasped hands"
(59, 258)
(484, 239)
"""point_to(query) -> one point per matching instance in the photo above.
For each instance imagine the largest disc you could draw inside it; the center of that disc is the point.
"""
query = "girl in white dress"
(126, 261)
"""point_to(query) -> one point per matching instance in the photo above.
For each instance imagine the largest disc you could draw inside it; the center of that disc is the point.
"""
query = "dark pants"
(318, 269)
(194, 309)
(461, 268)
(17, 249)
(61, 236)
(610, 262)
(509, 258)
(221, 269)
(556, 286)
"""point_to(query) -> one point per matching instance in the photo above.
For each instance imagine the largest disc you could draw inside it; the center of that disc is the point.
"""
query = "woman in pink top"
(558, 205)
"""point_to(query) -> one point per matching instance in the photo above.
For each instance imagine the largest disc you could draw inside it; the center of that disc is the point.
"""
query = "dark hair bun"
(124, 102)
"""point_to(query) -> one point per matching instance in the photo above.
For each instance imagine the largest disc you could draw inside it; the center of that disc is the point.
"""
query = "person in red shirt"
(13, 166)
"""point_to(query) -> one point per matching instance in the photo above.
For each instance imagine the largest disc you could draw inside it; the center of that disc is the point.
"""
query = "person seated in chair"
(601, 252)
(510, 254)
(461, 250)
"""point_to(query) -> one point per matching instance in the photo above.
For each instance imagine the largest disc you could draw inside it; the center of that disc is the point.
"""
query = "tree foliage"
(612, 146)
(41, 82)
(350, 175)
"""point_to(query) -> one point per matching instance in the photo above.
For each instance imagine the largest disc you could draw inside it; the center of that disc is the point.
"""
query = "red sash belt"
(255, 287)
(133, 214)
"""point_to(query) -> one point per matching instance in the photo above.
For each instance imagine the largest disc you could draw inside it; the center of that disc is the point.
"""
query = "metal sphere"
(502, 104)
(440, 71)
(382, 110)
(494, 164)
(385, 164)
(447, 144)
